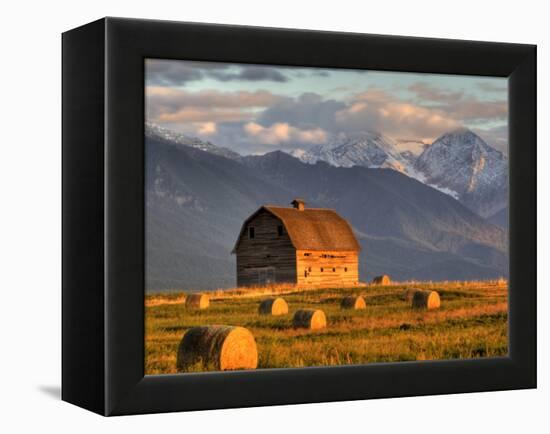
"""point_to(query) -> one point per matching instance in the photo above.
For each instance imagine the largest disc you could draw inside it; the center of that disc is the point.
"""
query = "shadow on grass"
(457, 295)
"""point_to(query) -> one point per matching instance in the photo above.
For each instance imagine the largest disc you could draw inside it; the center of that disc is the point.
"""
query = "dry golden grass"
(176, 297)
(158, 300)
(471, 322)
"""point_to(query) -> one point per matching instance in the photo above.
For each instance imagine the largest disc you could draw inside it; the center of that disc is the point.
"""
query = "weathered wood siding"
(268, 256)
(327, 268)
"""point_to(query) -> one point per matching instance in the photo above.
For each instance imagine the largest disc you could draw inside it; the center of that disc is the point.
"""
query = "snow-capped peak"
(367, 149)
(157, 132)
(462, 162)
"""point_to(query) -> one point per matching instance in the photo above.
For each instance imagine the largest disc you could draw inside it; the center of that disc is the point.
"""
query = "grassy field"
(472, 322)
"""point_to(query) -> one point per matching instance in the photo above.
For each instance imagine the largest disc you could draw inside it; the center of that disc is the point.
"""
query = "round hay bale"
(273, 306)
(353, 302)
(426, 300)
(384, 279)
(197, 301)
(312, 319)
(217, 347)
(408, 294)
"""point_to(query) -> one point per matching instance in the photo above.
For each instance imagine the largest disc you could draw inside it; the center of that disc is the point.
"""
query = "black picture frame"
(103, 216)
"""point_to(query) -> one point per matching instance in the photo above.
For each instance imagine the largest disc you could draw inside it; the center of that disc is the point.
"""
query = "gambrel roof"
(311, 228)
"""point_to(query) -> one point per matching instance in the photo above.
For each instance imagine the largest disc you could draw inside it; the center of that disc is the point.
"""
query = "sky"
(254, 109)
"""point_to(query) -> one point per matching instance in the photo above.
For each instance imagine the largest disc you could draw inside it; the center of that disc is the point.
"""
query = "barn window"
(280, 230)
(334, 269)
(321, 269)
(307, 254)
(309, 269)
(345, 269)
(251, 232)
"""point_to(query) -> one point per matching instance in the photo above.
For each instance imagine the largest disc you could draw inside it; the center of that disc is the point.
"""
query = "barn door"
(262, 276)
(266, 275)
(270, 275)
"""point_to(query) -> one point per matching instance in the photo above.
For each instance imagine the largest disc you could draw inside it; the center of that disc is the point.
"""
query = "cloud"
(193, 129)
(281, 133)
(379, 111)
(472, 110)
(206, 128)
(161, 72)
(307, 111)
(256, 121)
(210, 98)
(251, 73)
(429, 93)
(193, 114)
(460, 106)
(492, 87)
(250, 137)
(495, 136)
(166, 104)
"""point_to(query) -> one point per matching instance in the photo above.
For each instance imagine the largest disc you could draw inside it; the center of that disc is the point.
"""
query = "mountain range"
(153, 131)
(197, 198)
(461, 162)
(366, 149)
(458, 163)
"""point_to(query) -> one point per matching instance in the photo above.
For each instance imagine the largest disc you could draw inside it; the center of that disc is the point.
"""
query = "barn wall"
(266, 250)
(339, 268)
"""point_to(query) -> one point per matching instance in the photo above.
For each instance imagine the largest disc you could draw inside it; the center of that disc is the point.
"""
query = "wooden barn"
(299, 245)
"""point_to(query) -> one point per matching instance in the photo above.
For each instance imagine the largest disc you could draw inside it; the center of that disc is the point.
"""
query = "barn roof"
(312, 228)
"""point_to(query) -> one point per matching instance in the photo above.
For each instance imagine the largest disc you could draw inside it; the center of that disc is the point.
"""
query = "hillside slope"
(196, 202)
